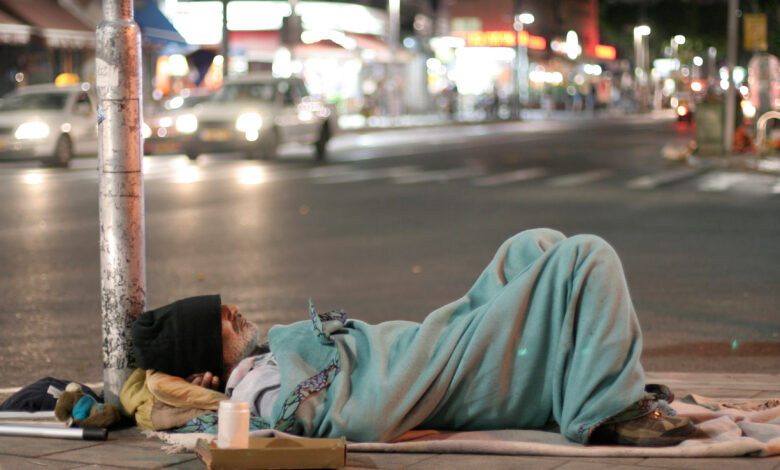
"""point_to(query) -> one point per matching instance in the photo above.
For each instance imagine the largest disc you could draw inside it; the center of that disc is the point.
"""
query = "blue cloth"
(82, 407)
(546, 334)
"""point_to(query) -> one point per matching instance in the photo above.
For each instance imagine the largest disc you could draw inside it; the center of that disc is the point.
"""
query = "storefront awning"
(261, 45)
(322, 49)
(156, 28)
(12, 31)
(379, 49)
(56, 25)
(257, 45)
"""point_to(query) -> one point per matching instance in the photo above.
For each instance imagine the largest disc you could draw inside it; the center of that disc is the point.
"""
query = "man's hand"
(204, 379)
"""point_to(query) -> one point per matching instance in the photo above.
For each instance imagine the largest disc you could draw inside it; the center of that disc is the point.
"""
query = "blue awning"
(156, 28)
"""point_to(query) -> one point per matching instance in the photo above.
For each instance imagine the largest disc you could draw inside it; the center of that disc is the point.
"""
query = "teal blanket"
(546, 335)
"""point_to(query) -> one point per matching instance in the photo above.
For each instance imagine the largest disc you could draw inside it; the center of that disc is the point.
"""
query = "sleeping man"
(546, 336)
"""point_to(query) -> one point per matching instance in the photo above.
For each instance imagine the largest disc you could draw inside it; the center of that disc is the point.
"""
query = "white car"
(49, 123)
(159, 130)
(255, 114)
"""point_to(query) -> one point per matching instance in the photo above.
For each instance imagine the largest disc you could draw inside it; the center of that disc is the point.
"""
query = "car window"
(286, 91)
(184, 102)
(246, 91)
(83, 104)
(300, 88)
(191, 101)
(32, 101)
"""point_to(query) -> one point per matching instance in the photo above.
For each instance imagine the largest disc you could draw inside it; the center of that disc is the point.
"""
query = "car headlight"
(187, 123)
(249, 122)
(146, 131)
(32, 130)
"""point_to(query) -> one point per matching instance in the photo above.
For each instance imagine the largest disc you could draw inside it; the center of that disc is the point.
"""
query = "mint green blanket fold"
(546, 334)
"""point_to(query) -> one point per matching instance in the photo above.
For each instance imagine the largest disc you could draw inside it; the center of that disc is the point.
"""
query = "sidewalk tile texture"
(130, 449)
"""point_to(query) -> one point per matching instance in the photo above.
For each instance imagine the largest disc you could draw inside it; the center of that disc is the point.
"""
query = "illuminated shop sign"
(502, 39)
(605, 52)
(530, 41)
(201, 22)
(572, 49)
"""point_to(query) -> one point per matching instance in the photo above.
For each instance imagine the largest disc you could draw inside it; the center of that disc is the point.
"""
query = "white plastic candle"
(233, 430)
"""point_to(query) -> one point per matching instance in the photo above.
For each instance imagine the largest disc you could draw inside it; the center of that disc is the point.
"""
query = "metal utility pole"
(393, 82)
(122, 256)
(731, 92)
(225, 48)
(642, 67)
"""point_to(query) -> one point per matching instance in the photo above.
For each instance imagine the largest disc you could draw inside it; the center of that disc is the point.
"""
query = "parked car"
(159, 129)
(49, 123)
(255, 114)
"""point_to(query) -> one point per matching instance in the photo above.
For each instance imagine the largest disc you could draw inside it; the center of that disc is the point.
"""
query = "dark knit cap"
(181, 338)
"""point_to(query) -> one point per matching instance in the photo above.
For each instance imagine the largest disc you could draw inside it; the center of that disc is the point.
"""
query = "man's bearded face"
(239, 336)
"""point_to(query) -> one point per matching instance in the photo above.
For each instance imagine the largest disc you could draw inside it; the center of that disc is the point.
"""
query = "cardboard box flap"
(280, 443)
(265, 453)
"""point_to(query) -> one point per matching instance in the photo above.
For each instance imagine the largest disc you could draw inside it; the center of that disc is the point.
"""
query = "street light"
(642, 30)
(677, 41)
(523, 18)
(521, 57)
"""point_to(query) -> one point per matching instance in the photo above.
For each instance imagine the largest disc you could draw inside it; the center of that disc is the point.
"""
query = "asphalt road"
(396, 224)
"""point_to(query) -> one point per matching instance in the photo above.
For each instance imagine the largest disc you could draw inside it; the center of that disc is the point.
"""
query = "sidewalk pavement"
(129, 448)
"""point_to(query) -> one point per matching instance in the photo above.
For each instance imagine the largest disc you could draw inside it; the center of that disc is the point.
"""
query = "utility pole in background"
(393, 79)
(122, 254)
(731, 92)
(225, 48)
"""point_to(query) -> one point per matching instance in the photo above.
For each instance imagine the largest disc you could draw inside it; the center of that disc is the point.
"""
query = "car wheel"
(321, 145)
(63, 152)
(269, 143)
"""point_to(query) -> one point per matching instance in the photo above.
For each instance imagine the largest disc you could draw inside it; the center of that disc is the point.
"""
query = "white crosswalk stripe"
(577, 179)
(511, 177)
(366, 175)
(656, 180)
(330, 171)
(721, 181)
(180, 170)
(440, 176)
(747, 183)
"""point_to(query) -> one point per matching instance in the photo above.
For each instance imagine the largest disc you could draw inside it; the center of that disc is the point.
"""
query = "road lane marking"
(329, 171)
(663, 178)
(721, 181)
(440, 176)
(746, 183)
(511, 177)
(575, 179)
(370, 174)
